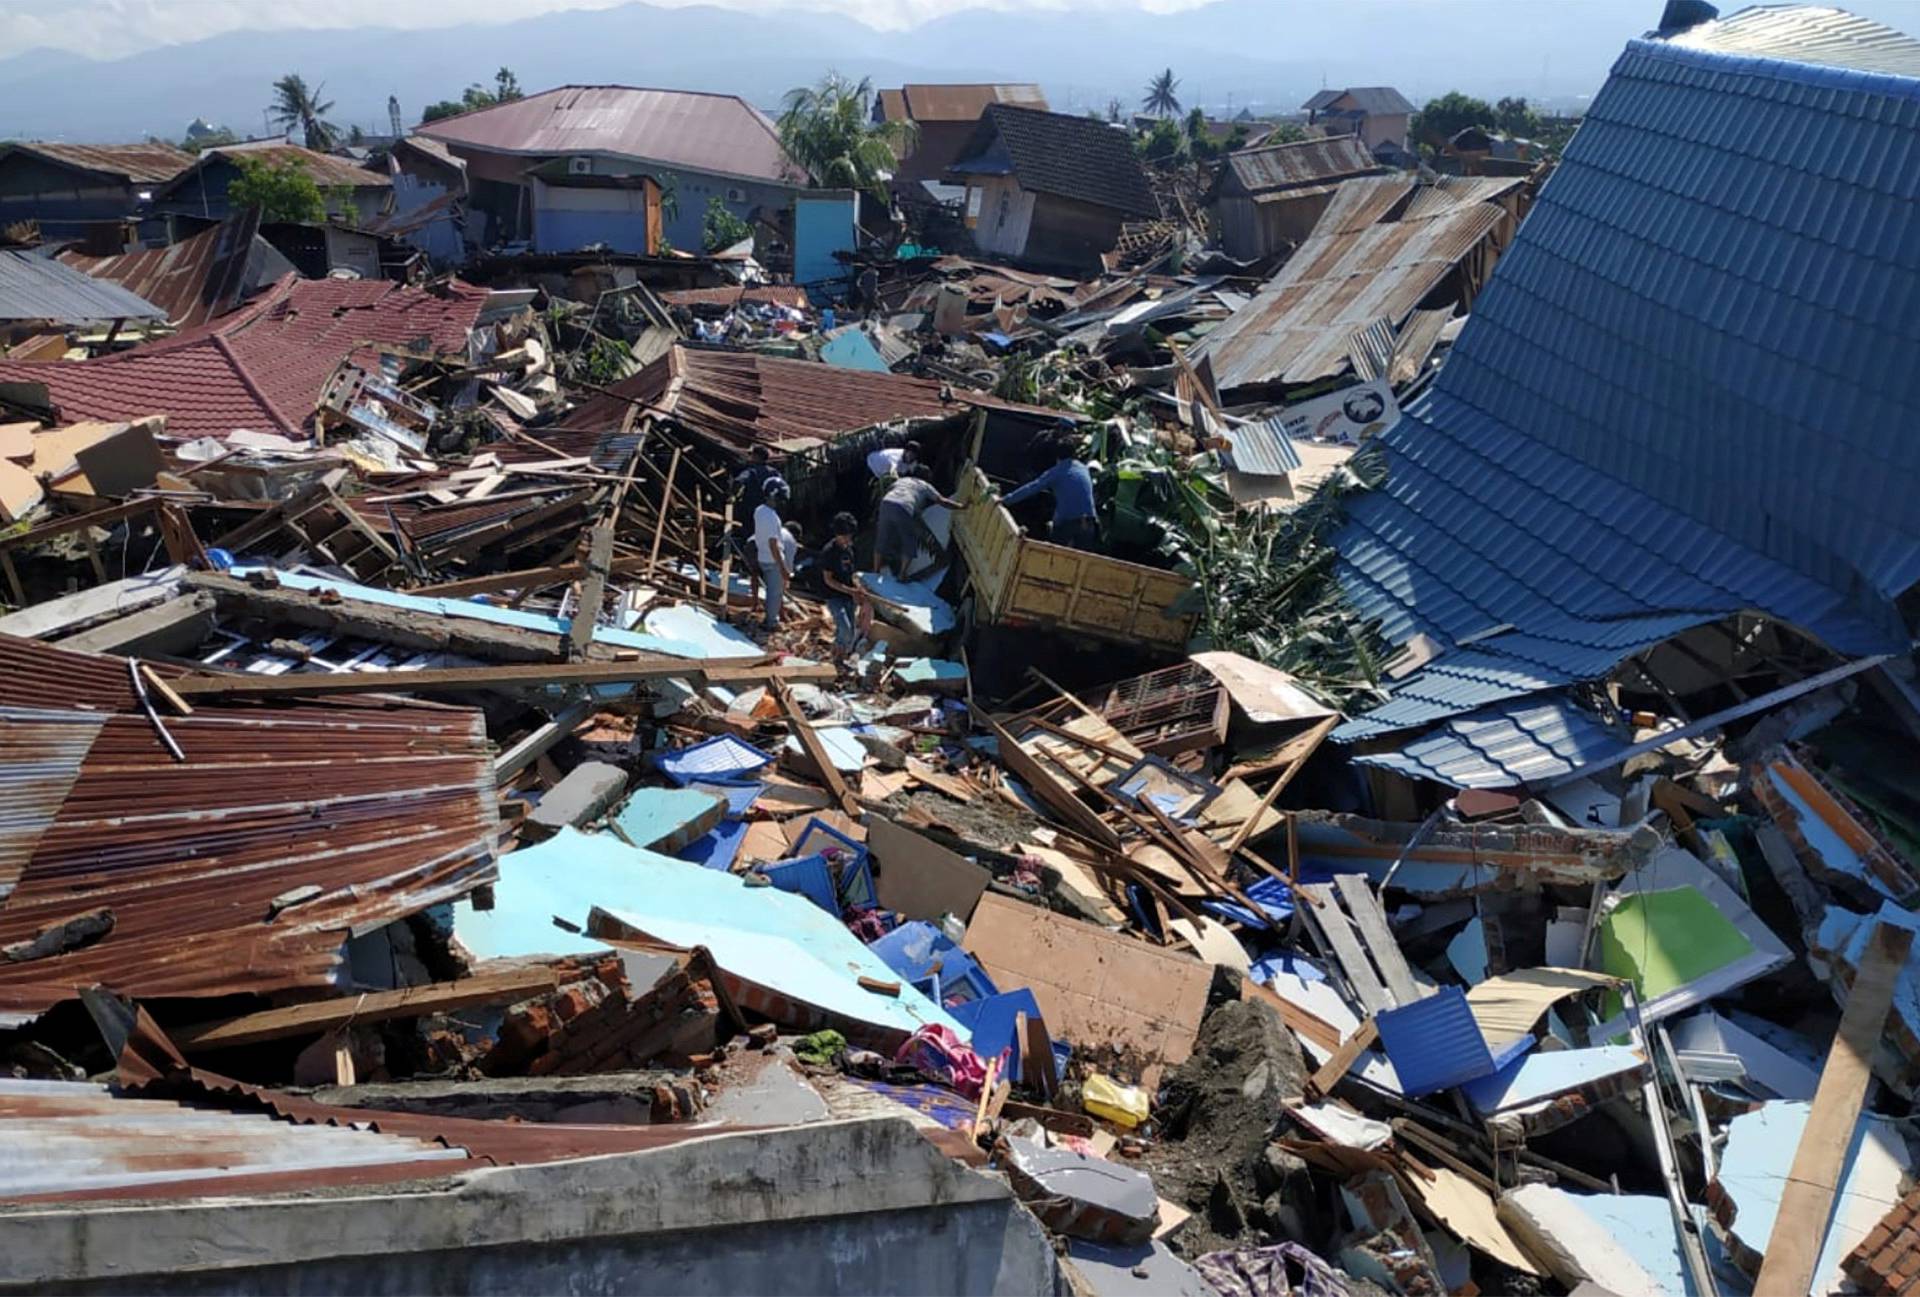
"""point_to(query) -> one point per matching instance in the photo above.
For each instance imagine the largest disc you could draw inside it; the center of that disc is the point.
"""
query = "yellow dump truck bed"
(1023, 582)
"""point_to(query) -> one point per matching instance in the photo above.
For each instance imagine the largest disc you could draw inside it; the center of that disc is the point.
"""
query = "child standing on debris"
(845, 599)
(1071, 483)
(770, 550)
(898, 524)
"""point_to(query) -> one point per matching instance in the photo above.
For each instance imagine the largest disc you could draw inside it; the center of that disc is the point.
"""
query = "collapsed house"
(1443, 824)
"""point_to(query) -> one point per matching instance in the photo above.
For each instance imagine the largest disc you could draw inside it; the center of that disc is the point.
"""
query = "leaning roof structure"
(1063, 154)
(33, 287)
(1688, 388)
(722, 134)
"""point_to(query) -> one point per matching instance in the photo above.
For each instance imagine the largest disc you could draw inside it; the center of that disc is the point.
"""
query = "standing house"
(354, 194)
(72, 190)
(944, 117)
(1269, 199)
(1050, 189)
(1377, 114)
(694, 146)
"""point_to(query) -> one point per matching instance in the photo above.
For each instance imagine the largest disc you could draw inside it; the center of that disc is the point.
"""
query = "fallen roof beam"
(531, 675)
(171, 627)
(1806, 1200)
(378, 1006)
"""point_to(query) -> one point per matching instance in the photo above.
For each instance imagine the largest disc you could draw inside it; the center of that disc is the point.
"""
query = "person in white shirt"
(770, 549)
(893, 461)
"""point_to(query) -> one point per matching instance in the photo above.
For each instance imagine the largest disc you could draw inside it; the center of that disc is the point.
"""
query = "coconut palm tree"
(296, 105)
(1161, 100)
(828, 129)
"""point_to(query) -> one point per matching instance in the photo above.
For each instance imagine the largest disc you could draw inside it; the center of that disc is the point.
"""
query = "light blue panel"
(565, 876)
(556, 230)
(652, 815)
(923, 671)
(1538, 1076)
(853, 349)
(763, 935)
(823, 224)
(927, 612)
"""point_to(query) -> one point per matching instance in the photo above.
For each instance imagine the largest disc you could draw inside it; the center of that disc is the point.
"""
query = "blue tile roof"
(1507, 745)
(1689, 390)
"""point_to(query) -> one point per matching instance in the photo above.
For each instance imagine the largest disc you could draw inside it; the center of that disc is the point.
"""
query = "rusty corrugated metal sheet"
(1303, 162)
(325, 168)
(728, 295)
(387, 808)
(965, 103)
(1356, 268)
(193, 280)
(148, 163)
(41, 750)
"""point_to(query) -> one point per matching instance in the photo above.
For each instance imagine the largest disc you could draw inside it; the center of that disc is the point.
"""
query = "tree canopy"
(720, 228)
(282, 193)
(296, 105)
(506, 89)
(828, 129)
(1443, 118)
(1161, 98)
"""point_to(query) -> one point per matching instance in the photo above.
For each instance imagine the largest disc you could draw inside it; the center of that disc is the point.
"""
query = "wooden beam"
(378, 1006)
(816, 751)
(1323, 1081)
(524, 676)
(1806, 1200)
(1315, 737)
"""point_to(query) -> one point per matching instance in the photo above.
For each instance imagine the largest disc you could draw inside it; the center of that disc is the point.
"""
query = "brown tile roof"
(388, 808)
(1887, 1260)
(152, 163)
(325, 168)
(1064, 155)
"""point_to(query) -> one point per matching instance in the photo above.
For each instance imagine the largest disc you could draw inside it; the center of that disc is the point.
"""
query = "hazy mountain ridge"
(1270, 53)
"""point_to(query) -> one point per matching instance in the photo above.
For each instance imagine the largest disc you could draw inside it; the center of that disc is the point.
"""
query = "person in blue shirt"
(1071, 484)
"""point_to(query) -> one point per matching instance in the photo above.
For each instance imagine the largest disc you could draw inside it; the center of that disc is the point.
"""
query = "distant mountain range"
(1267, 54)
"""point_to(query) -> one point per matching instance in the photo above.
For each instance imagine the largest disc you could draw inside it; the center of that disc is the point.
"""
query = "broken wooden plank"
(1806, 1201)
(1379, 939)
(376, 1006)
(1332, 923)
(816, 750)
(1323, 1081)
(1309, 745)
(180, 705)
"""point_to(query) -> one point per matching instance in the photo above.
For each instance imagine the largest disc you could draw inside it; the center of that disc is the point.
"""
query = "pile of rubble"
(1362, 862)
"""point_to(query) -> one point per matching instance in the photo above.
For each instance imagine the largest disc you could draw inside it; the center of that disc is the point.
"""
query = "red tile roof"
(263, 366)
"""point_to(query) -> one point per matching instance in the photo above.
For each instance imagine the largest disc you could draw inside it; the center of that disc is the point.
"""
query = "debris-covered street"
(1319, 708)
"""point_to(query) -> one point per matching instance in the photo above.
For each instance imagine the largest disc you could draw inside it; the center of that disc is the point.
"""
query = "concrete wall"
(567, 218)
(843, 1207)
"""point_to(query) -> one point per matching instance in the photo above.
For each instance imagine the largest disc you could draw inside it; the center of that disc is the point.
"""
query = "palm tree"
(295, 105)
(1161, 100)
(828, 129)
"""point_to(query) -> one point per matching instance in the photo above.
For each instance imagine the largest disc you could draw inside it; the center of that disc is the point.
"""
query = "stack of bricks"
(1888, 1258)
(598, 1024)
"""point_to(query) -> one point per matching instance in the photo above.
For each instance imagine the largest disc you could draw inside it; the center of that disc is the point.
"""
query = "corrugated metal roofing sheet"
(1357, 267)
(1434, 1043)
(1262, 447)
(149, 163)
(39, 288)
(193, 280)
(1376, 101)
(1303, 162)
(965, 103)
(721, 134)
(1506, 746)
(1807, 34)
(325, 168)
(1674, 401)
(387, 808)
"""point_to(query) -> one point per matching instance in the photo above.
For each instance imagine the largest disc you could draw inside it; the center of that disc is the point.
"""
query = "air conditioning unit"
(579, 166)
(735, 194)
